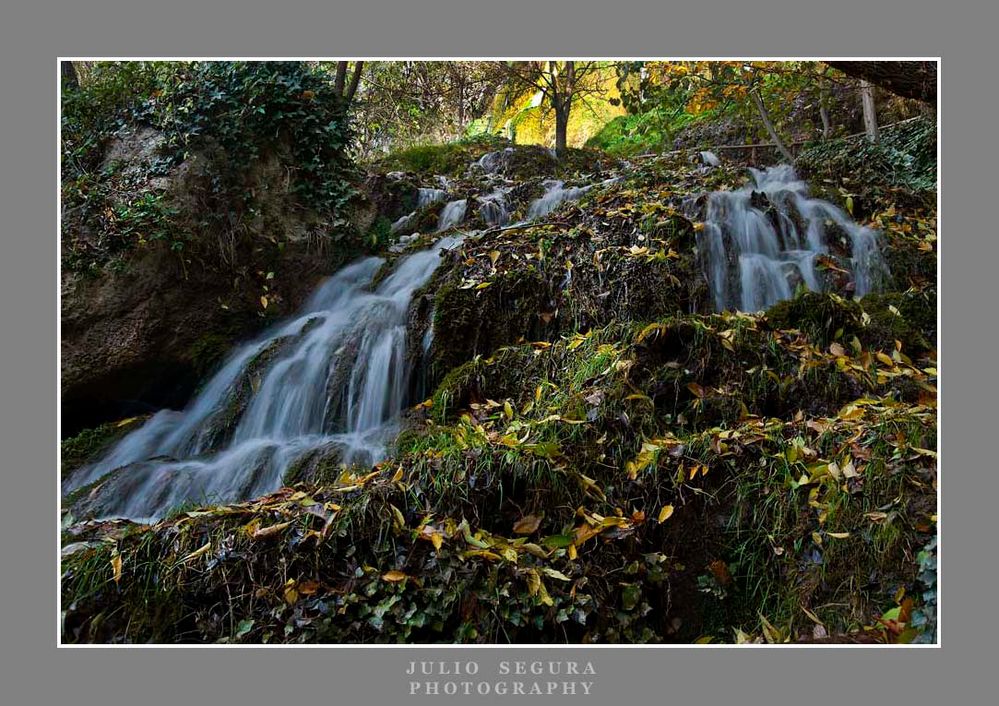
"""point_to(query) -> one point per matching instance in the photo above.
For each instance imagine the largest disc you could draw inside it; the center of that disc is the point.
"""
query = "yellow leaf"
(264, 532)
(851, 412)
(394, 576)
(263, 301)
(397, 516)
(665, 513)
(533, 582)
(492, 556)
(508, 409)
(494, 256)
(555, 574)
(437, 539)
(197, 552)
(838, 535)
(116, 565)
(813, 616)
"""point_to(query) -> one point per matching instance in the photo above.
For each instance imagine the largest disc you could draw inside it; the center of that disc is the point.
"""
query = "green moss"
(823, 318)
(89, 444)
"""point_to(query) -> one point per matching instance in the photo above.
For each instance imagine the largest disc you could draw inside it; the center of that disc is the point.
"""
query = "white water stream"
(334, 376)
(753, 258)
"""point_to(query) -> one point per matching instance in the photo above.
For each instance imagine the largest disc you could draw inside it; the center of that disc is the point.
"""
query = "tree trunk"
(562, 99)
(824, 108)
(341, 77)
(355, 80)
(561, 130)
(870, 114)
(69, 78)
(765, 117)
(909, 79)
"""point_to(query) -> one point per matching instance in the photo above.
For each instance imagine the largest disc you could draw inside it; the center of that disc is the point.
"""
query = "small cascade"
(426, 196)
(493, 162)
(555, 194)
(759, 242)
(710, 158)
(452, 214)
(492, 209)
(334, 377)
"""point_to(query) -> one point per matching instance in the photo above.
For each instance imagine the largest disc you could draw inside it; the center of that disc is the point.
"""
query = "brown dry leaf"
(527, 525)
(394, 576)
(308, 588)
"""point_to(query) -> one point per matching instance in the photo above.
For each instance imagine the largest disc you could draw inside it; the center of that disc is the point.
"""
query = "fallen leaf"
(527, 525)
(116, 565)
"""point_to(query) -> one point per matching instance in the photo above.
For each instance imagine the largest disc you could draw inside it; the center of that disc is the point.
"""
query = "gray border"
(33, 36)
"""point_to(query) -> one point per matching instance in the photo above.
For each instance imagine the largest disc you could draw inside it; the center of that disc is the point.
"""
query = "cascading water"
(755, 256)
(424, 197)
(334, 377)
(555, 194)
(492, 208)
(452, 214)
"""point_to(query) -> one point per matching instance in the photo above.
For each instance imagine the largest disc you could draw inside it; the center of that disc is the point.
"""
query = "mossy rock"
(823, 318)
(90, 444)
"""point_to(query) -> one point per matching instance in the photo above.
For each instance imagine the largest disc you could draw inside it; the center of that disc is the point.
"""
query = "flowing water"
(710, 158)
(452, 214)
(556, 193)
(492, 208)
(425, 197)
(759, 242)
(336, 376)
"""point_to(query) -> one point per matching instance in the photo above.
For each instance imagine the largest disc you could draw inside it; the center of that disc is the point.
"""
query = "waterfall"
(452, 214)
(710, 158)
(335, 376)
(492, 162)
(492, 209)
(759, 242)
(555, 194)
(426, 196)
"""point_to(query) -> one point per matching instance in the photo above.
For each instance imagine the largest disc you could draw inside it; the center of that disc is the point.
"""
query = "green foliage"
(924, 618)
(251, 108)
(90, 443)
(451, 158)
(240, 113)
(905, 156)
(649, 131)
